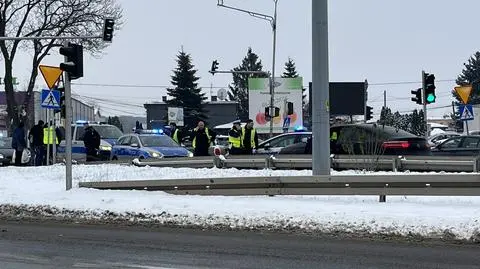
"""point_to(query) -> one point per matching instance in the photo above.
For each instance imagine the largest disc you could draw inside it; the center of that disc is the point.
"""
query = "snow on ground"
(425, 216)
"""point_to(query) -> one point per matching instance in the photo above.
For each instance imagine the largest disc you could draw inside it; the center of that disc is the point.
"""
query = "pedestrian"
(36, 140)
(48, 131)
(235, 138)
(249, 138)
(19, 143)
(201, 138)
(91, 139)
(175, 133)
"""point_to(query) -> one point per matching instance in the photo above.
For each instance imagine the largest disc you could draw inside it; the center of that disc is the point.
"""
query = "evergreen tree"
(291, 72)
(115, 120)
(471, 75)
(186, 92)
(239, 89)
(290, 69)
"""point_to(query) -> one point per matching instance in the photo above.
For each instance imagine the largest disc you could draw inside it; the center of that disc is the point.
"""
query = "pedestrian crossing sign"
(50, 99)
(466, 112)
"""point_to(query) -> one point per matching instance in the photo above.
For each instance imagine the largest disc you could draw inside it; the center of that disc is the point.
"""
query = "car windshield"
(157, 141)
(108, 131)
(5, 142)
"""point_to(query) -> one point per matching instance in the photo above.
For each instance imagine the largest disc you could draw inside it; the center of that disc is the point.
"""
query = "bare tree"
(35, 18)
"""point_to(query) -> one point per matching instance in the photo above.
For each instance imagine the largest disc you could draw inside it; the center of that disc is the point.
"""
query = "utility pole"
(424, 99)
(384, 99)
(320, 91)
(273, 23)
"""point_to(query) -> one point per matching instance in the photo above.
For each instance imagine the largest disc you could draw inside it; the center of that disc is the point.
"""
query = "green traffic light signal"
(430, 98)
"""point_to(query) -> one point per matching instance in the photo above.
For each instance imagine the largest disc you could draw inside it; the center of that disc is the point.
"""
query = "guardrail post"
(332, 161)
(396, 163)
(382, 199)
(217, 162)
(270, 162)
(476, 164)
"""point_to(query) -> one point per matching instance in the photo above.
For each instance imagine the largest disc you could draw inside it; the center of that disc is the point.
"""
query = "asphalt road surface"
(43, 246)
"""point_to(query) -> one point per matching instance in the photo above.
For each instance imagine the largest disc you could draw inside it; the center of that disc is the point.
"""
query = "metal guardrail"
(338, 162)
(432, 185)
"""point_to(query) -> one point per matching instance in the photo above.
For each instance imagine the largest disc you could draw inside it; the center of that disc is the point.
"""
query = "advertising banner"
(288, 93)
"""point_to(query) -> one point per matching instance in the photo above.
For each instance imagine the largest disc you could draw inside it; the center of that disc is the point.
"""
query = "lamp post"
(273, 23)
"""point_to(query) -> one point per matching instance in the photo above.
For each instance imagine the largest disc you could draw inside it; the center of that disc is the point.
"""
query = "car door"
(449, 147)
(134, 151)
(469, 146)
(125, 148)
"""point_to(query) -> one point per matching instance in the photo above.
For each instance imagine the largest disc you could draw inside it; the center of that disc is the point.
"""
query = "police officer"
(48, 131)
(235, 138)
(91, 139)
(175, 133)
(249, 137)
(201, 138)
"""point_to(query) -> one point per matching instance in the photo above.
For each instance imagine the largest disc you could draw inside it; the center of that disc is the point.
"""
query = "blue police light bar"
(81, 122)
(300, 128)
(152, 131)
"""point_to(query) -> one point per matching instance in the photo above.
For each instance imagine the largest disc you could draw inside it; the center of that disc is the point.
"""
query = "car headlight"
(106, 148)
(155, 154)
(190, 154)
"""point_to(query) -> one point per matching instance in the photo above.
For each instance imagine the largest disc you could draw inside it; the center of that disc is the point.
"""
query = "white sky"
(382, 41)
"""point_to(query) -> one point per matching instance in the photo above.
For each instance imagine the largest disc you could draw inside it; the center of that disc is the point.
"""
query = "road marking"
(122, 265)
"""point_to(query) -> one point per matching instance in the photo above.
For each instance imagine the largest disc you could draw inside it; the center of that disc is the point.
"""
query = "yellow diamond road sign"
(464, 92)
(51, 74)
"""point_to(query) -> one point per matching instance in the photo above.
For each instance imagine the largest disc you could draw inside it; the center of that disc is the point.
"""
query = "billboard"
(288, 91)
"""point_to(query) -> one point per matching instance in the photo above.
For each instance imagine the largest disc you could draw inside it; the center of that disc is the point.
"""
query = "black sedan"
(367, 139)
(465, 145)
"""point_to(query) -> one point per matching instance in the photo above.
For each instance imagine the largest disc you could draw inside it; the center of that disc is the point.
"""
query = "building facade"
(218, 112)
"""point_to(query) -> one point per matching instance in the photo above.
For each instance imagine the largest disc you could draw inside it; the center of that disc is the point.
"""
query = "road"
(42, 246)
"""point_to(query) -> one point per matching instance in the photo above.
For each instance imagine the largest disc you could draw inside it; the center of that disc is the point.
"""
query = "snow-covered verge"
(39, 193)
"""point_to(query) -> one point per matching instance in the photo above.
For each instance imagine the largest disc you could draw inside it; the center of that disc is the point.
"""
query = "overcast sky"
(386, 42)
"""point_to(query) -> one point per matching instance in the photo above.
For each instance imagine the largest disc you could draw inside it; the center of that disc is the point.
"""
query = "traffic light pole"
(320, 90)
(68, 130)
(424, 99)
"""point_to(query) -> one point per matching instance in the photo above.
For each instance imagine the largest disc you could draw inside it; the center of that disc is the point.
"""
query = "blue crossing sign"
(50, 99)
(466, 112)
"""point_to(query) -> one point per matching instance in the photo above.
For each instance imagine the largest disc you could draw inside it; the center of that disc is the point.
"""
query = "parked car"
(147, 146)
(438, 138)
(366, 139)
(465, 145)
(108, 135)
(220, 146)
(7, 152)
(275, 144)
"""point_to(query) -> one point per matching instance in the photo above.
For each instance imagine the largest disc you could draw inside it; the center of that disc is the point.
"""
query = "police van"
(108, 134)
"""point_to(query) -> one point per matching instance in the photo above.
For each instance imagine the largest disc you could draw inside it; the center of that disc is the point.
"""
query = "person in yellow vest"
(235, 138)
(48, 139)
(249, 138)
(175, 133)
(201, 138)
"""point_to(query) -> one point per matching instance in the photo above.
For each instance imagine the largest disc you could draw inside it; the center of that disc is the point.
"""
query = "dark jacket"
(91, 138)
(36, 135)
(18, 139)
(200, 141)
(247, 142)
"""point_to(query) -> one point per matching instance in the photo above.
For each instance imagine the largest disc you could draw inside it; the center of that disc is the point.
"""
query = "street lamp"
(273, 23)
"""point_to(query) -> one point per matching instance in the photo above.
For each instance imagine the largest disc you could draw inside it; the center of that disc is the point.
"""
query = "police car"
(108, 134)
(147, 144)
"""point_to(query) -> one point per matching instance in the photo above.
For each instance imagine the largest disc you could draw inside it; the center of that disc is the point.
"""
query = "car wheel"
(114, 158)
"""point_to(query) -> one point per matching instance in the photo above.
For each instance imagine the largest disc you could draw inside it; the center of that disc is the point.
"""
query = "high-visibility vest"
(48, 136)
(175, 136)
(209, 138)
(236, 142)
(333, 137)
(252, 136)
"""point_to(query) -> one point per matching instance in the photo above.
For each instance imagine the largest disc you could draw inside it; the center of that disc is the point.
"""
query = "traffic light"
(108, 30)
(429, 85)
(74, 63)
(418, 96)
(369, 113)
(214, 67)
(289, 108)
